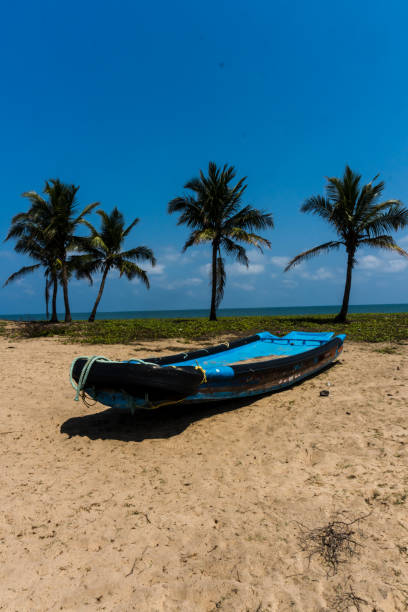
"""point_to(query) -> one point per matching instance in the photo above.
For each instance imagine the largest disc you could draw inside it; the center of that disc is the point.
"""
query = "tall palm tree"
(359, 219)
(31, 241)
(215, 214)
(56, 214)
(105, 252)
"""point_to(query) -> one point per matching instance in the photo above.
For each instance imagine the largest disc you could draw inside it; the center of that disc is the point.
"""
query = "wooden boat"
(248, 367)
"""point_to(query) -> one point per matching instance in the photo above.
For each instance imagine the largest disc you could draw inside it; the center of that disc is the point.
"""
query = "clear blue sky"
(129, 100)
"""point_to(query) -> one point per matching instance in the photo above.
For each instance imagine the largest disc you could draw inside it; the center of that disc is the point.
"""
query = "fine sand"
(198, 509)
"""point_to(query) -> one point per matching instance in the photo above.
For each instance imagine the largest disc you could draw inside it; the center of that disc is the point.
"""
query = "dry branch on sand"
(333, 543)
(346, 599)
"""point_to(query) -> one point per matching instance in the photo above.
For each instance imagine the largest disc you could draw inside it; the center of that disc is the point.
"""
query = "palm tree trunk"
(98, 298)
(213, 313)
(47, 298)
(68, 317)
(341, 317)
(54, 316)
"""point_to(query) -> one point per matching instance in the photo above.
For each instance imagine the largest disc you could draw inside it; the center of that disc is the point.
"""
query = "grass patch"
(392, 328)
(388, 350)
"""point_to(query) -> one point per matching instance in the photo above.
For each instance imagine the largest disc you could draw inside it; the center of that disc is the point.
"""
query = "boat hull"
(173, 379)
(280, 374)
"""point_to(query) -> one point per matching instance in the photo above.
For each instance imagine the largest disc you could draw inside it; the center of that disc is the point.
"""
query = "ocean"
(222, 312)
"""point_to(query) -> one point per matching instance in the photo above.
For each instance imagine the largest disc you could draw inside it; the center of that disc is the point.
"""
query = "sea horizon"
(222, 312)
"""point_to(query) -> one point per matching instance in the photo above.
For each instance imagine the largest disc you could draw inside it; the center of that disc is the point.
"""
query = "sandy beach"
(199, 509)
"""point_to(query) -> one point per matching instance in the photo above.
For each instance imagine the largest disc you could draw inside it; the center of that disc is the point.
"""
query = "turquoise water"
(222, 312)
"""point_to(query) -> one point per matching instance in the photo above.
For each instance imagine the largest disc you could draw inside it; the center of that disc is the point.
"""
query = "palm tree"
(214, 214)
(31, 241)
(105, 252)
(56, 215)
(359, 220)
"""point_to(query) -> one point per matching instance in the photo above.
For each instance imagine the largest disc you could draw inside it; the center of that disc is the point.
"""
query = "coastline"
(222, 312)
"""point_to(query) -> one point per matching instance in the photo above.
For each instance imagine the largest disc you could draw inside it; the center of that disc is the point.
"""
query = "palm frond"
(249, 219)
(104, 216)
(198, 237)
(318, 205)
(236, 250)
(131, 226)
(221, 279)
(384, 242)
(97, 242)
(394, 218)
(195, 184)
(176, 205)
(85, 212)
(35, 198)
(89, 226)
(249, 238)
(365, 204)
(22, 272)
(322, 248)
(140, 253)
(132, 270)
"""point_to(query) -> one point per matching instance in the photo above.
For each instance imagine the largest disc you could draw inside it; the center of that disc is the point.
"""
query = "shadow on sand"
(164, 422)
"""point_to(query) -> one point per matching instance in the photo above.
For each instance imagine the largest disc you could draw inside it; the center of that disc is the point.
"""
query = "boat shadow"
(112, 424)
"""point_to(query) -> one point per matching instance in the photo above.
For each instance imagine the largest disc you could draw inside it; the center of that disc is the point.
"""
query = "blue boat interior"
(267, 346)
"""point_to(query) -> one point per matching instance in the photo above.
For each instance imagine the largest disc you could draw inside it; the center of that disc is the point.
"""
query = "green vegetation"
(361, 328)
(359, 220)
(215, 214)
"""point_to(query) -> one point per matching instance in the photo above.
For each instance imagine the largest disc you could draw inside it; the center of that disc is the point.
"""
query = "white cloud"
(256, 265)
(397, 265)
(236, 269)
(320, 274)
(157, 270)
(243, 286)
(205, 269)
(24, 286)
(289, 284)
(281, 261)
(184, 282)
(255, 255)
(387, 263)
(369, 262)
(171, 255)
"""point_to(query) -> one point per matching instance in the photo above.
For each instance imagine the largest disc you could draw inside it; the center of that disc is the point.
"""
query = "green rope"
(84, 373)
(87, 368)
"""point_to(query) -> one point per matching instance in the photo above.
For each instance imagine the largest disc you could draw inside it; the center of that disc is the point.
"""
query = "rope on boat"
(87, 368)
(84, 372)
(198, 367)
(151, 406)
(90, 360)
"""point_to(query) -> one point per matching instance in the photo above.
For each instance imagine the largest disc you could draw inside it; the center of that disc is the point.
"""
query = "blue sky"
(129, 100)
